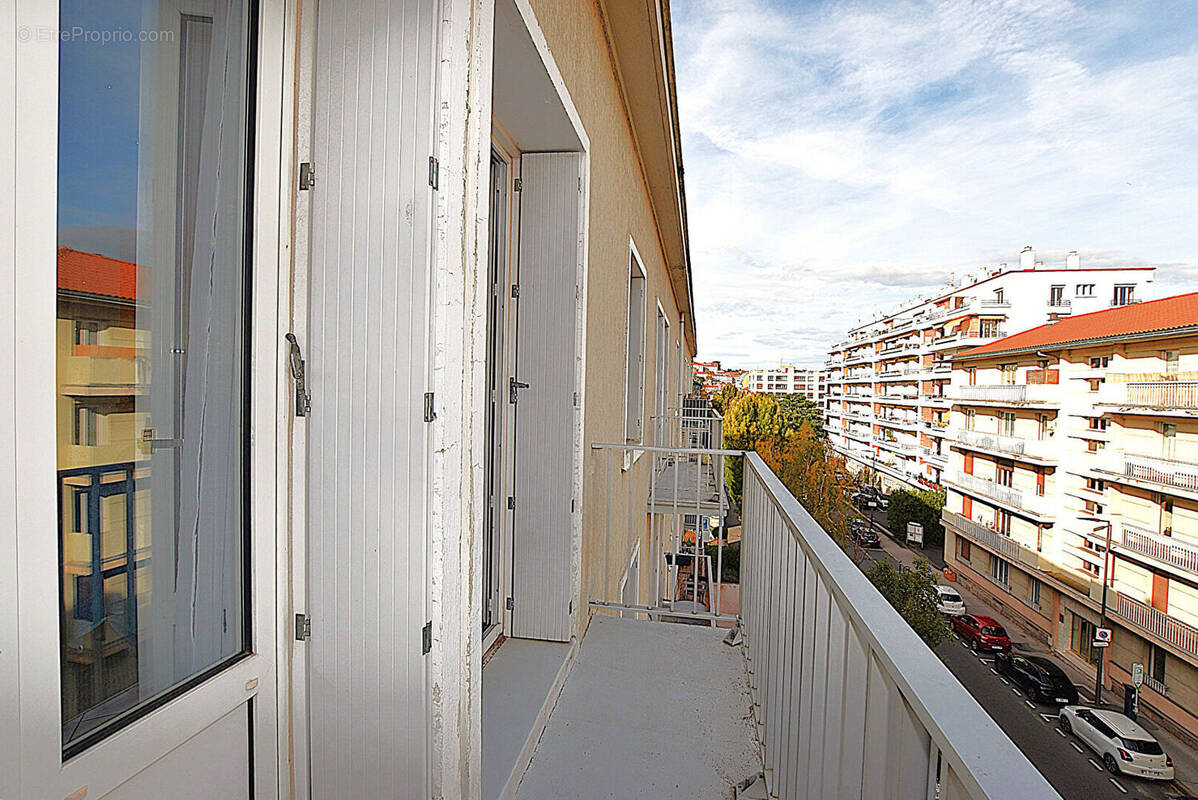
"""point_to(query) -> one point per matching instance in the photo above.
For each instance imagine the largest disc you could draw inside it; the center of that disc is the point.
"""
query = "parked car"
(1043, 680)
(864, 534)
(982, 633)
(883, 500)
(1125, 747)
(948, 601)
(863, 498)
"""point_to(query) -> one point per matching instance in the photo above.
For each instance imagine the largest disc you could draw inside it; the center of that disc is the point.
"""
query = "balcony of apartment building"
(902, 422)
(1158, 473)
(934, 456)
(1157, 623)
(905, 372)
(897, 397)
(860, 357)
(899, 346)
(903, 446)
(860, 377)
(1032, 451)
(1171, 552)
(990, 537)
(1037, 507)
(800, 672)
(1005, 394)
(1153, 395)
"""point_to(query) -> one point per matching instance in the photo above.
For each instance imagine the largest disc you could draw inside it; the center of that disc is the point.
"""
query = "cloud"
(845, 156)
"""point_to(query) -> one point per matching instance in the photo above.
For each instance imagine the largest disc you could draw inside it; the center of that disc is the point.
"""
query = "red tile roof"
(1169, 313)
(94, 274)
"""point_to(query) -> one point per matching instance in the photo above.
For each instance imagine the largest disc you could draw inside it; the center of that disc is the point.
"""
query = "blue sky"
(842, 157)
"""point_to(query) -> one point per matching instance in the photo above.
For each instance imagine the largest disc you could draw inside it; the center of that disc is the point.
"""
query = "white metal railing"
(1151, 394)
(1162, 471)
(1007, 495)
(1166, 549)
(847, 700)
(988, 537)
(1014, 393)
(1158, 623)
(992, 441)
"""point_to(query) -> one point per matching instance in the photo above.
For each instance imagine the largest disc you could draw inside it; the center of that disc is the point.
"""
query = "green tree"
(748, 421)
(923, 507)
(798, 410)
(724, 398)
(912, 593)
(815, 477)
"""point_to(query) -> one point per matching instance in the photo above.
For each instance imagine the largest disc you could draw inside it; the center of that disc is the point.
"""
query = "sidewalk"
(1185, 758)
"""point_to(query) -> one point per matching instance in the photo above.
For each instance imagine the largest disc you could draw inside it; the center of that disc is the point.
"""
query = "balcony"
(1148, 396)
(1165, 549)
(1006, 495)
(1007, 445)
(991, 539)
(1173, 475)
(1156, 622)
(844, 699)
(1007, 394)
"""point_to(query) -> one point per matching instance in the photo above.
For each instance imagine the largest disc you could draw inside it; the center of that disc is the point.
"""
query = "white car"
(1125, 747)
(948, 601)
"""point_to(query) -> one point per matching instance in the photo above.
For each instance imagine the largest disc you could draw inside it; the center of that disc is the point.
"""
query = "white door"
(546, 316)
(367, 353)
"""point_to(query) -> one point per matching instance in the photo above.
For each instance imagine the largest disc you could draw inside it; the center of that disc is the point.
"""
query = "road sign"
(1137, 675)
(1102, 635)
(915, 533)
(1101, 643)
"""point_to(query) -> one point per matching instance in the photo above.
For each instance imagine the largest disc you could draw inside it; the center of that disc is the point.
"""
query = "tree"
(724, 398)
(817, 479)
(749, 420)
(923, 507)
(912, 592)
(798, 410)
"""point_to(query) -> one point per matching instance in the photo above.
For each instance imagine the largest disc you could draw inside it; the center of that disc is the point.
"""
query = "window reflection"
(151, 348)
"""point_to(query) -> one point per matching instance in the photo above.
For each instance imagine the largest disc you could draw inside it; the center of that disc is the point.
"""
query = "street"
(1073, 770)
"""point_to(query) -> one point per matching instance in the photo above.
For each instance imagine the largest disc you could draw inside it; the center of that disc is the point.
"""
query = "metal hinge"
(434, 172)
(426, 638)
(571, 611)
(307, 176)
(573, 505)
(430, 413)
(576, 399)
(303, 627)
(303, 398)
(518, 185)
(511, 604)
(515, 290)
(511, 503)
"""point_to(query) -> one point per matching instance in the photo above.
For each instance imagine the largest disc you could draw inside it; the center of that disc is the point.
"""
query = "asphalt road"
(1072, 768)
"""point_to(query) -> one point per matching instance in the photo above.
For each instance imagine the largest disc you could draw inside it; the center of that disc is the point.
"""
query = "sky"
(843, 157)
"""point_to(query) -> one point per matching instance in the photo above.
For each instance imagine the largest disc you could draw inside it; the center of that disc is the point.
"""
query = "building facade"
(710, 376)
(886, 403)
(1061, 436)
(783, 379)
(267, 402)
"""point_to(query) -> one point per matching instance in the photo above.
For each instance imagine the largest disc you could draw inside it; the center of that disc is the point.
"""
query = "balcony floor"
(649, 710)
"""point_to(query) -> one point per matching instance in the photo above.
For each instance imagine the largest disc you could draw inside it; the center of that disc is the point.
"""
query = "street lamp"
(1106, 566)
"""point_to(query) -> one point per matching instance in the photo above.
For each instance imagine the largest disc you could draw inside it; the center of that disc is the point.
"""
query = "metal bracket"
(511, 604)
(511, 503)
(430, 412)
(434, 172)
(513, 389)
(303, 399)
(307, 178)
(303, 627)
(515, 290)
(426, 638)
(518, 185)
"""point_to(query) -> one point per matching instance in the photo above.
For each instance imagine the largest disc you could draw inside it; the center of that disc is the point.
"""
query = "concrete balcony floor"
(648, 710)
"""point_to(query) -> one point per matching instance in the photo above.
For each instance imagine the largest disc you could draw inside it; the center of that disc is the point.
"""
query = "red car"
(982, 633)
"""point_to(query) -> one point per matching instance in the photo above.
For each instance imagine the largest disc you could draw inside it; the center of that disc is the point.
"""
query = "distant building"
(1059, 432)
(712, 377)
(886, 406)
(784, 379)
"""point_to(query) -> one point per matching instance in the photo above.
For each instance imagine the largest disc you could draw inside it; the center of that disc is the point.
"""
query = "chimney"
(1073, 260)
(1027, 258)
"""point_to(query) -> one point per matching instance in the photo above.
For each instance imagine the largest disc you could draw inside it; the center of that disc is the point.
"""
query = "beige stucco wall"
(619, 208)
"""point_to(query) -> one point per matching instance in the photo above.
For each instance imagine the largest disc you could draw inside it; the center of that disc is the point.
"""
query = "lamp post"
(1106, 567)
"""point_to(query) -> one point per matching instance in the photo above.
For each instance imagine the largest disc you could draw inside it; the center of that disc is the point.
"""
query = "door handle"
(513, 389)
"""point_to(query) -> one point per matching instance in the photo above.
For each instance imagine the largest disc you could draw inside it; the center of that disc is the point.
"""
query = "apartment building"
(886, 403)
(1068, 436)
(783, 379)
(710, 376)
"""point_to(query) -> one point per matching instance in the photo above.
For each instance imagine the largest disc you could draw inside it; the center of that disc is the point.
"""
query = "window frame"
(635, 264)
(30, 723)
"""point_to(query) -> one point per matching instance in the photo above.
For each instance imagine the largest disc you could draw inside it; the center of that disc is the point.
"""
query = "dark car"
(1043, 680)
(982, 633)
(865, 498)
(864, 535)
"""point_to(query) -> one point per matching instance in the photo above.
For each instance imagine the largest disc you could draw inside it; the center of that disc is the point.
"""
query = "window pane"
(151, 352)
